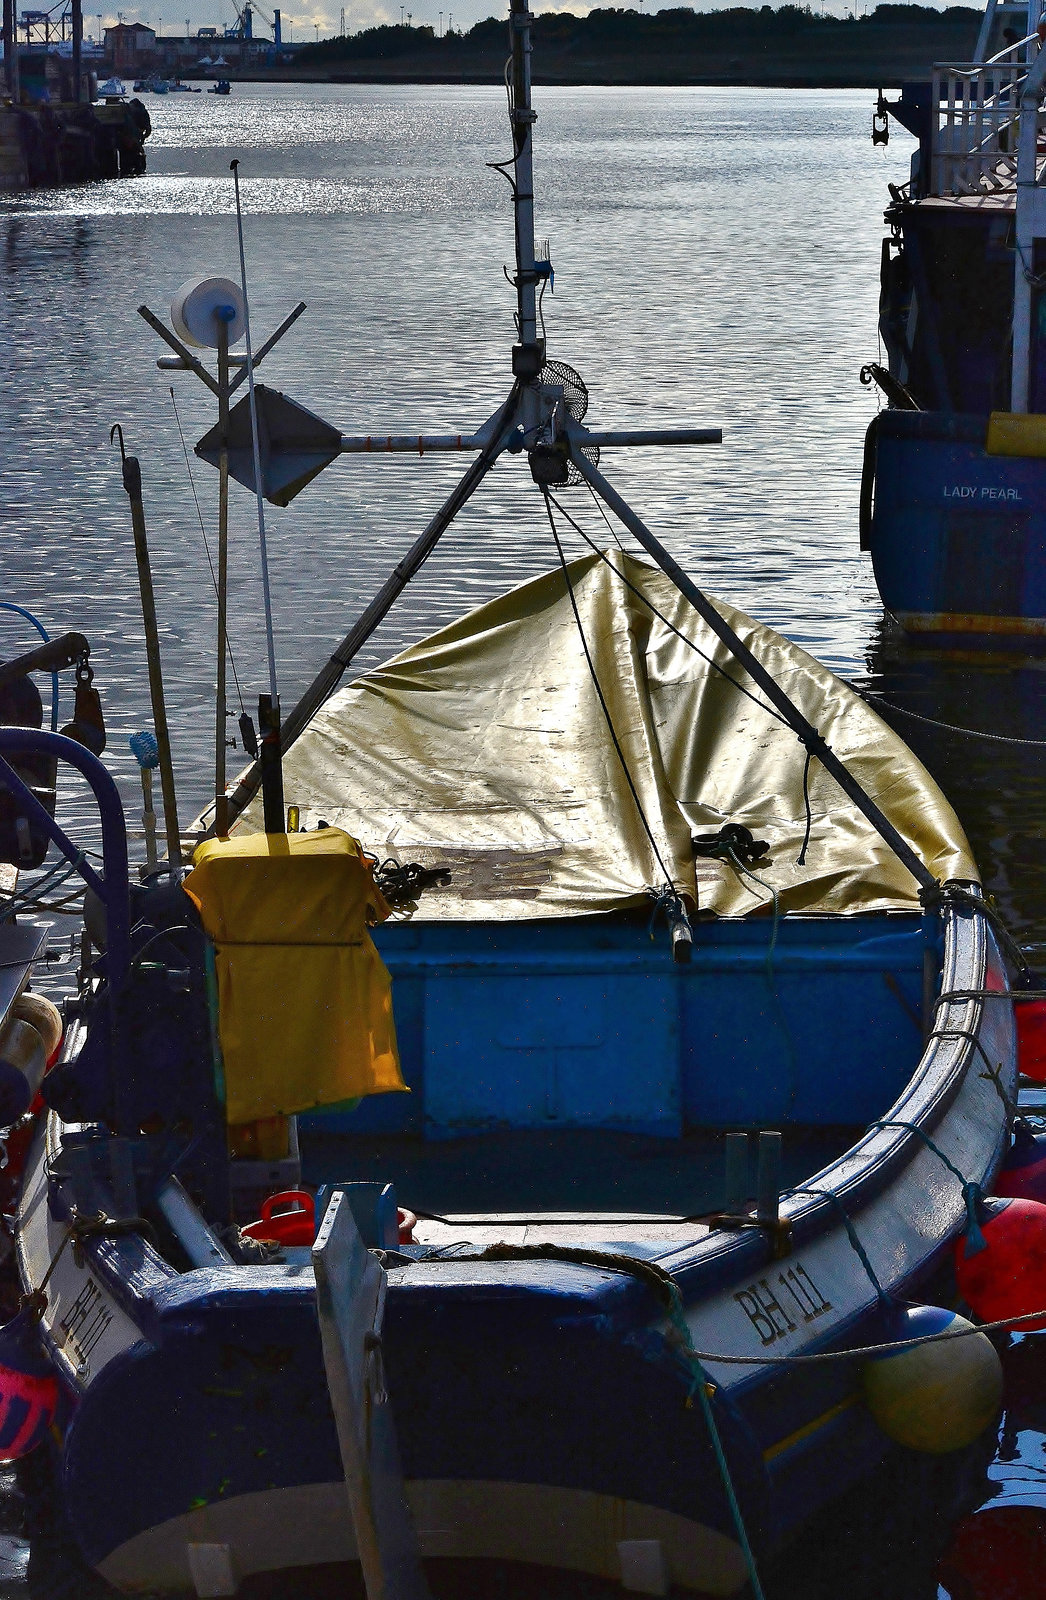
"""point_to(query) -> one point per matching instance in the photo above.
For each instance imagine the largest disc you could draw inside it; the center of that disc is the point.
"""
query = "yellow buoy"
(937, 1396)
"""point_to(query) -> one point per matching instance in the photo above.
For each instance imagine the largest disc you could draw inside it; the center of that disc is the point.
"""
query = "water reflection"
(998, 788)
(716, 255)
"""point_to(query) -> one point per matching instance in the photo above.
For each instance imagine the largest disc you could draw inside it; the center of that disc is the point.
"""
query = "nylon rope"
(950, 727)
(749, 694)
(602, 700)
(852, 1234)
(972, 1193)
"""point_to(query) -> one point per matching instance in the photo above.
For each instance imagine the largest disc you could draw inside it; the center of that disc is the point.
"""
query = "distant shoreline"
(605, 79)
(792, 48)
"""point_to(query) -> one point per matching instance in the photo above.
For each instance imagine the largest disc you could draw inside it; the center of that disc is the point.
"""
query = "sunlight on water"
(716, 257)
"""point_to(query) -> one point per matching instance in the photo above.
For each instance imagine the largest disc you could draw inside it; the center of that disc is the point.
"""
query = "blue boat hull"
(545, 1407)
(957, 537)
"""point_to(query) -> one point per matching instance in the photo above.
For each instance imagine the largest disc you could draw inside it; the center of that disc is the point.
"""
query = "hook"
(113, 431)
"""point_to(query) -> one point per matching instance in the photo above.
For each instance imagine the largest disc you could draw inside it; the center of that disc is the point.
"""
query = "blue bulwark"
(541, 1025)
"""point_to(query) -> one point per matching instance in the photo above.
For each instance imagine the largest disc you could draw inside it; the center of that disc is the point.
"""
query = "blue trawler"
(594, 1018)
(955, 469)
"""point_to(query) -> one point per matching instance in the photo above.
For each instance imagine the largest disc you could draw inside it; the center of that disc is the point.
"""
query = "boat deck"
(544, 1173)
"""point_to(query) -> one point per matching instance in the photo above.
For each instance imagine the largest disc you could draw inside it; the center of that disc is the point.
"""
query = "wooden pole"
(132, 482)
(11, 50)
(78, 39)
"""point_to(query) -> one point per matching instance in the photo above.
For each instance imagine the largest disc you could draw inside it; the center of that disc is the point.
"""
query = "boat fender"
(1006, 1278)
(1023, 1173)
(23, 1061)
(45, 1017)
(938, 1396)
(995, 1551)
(28, 1384)
(865, 509)
(1031, 1037)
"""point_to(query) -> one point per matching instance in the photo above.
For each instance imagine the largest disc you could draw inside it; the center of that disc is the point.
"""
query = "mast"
(528, 356)
(537, 418)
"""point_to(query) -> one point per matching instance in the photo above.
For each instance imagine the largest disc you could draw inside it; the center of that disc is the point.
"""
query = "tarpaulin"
(488, 747)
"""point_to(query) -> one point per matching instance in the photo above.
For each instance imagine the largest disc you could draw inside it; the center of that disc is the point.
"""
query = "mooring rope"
(949, 727)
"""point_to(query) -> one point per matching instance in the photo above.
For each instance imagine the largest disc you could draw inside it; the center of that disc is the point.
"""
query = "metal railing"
(976, 111)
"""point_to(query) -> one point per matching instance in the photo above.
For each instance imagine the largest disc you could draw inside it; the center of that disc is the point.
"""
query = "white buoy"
(937, 1396)
(194, 308)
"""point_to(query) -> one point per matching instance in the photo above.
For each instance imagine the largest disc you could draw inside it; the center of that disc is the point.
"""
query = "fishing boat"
(565, 1031)
(954, 473)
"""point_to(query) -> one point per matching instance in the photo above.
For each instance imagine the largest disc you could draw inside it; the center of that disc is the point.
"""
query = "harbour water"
(716, 255)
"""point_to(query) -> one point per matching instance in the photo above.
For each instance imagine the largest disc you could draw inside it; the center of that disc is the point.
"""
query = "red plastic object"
(1031, 1038)
(286, 1218)
(1008, 1278)
(28, 1387)
(290, 1218)
(1023, 1174)
(997, 1554)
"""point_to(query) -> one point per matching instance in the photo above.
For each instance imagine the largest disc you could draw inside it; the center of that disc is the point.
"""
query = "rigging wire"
(600, 695)
(270, 645)
(206, 544)
(601, 508)
(740, 687)
(871, 695)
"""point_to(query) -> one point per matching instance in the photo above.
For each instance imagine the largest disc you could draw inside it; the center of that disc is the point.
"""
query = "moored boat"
(955, 468)
(708, 1042)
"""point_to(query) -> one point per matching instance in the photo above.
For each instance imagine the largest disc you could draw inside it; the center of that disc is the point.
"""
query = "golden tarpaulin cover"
(304, 1000)
(486, 747)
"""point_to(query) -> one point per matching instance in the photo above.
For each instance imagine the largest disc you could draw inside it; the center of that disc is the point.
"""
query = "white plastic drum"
(193, 311)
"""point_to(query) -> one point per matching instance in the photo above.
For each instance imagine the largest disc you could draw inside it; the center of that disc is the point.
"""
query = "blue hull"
(542, 1404)
(957, 537)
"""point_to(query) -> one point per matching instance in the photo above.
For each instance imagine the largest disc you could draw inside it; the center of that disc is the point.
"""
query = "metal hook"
(113, 431)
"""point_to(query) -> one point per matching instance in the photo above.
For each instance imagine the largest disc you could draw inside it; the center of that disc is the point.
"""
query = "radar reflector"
(294, 445)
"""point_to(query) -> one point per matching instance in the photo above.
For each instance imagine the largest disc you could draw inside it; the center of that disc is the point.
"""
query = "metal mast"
(536, 418)
(528, 356)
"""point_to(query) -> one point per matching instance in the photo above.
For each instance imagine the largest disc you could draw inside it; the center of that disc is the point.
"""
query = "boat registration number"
(778, 1306)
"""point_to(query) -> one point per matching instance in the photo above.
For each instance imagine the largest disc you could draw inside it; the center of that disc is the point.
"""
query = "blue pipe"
(9, 605)
(113, 890)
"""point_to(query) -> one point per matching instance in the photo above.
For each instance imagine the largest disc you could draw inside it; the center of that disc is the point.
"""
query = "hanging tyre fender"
(868, 464)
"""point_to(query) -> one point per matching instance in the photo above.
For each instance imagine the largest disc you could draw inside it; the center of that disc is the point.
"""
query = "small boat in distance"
(953, 493)
(113, 89)
(221, 87)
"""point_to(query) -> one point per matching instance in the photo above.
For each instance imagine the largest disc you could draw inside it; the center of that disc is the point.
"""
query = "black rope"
(601, 508)
(602, 698)
(749, 694)
(801, 858)
(938, 896)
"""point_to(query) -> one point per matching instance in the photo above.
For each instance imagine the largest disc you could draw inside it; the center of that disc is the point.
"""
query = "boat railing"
(976, 117)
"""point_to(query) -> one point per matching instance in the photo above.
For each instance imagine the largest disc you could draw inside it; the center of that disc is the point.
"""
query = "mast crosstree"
(540, 417)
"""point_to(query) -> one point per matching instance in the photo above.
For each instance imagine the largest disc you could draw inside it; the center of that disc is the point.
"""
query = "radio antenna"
(268, 705)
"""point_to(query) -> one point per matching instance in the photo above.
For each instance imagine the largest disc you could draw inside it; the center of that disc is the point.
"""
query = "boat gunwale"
(137, 1274)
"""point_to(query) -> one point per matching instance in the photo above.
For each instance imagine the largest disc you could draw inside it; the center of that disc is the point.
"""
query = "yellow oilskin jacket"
(304, 999)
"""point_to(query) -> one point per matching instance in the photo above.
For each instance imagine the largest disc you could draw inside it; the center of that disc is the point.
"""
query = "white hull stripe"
(570, 1529)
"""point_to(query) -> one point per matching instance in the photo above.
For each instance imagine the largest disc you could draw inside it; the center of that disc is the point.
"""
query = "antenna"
(268, 705)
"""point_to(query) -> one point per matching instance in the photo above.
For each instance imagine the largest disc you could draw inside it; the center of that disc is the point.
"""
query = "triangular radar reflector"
(294, 445)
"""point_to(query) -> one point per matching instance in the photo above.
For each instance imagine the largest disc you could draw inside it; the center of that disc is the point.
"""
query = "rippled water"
(716, 256)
